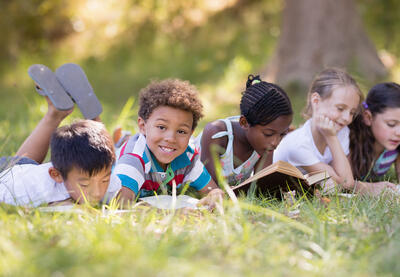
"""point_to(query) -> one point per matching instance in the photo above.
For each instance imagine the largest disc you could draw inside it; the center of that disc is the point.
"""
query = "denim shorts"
(7, 162)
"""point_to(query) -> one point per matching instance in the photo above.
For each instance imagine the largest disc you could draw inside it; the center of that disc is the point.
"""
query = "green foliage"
(382, 22)
(357, 237)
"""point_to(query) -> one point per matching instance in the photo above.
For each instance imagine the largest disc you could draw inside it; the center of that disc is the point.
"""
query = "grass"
(357, 237)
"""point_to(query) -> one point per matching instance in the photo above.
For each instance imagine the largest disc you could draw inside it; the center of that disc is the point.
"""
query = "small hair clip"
(365, 105)
(252, 80)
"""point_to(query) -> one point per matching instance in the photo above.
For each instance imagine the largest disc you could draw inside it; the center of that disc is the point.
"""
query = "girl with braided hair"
(247, 141)
(375, 138)
(322, 143)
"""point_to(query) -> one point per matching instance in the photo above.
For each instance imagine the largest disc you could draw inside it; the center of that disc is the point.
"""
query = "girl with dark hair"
(375, 137)
(240, 141)
(322, 143)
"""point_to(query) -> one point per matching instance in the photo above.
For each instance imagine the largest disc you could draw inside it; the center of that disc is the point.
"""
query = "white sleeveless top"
(233, 175)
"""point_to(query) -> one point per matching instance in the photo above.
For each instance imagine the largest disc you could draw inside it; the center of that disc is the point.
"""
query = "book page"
(317, 176)
(165, 202)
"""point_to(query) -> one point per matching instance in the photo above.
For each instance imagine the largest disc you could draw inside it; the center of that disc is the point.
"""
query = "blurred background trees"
(124, 44)
(317, 34)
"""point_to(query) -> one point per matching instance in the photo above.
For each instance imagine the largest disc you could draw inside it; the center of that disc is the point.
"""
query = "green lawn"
(348, 237)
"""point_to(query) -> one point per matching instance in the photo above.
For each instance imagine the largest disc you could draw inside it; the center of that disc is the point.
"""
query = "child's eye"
(340, 109)
(268, 135)
(161, 127)
(182, 132)
(83, 184)
(391, 125)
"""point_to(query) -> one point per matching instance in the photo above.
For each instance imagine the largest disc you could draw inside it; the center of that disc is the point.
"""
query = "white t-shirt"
(31, 185)
(298, 147)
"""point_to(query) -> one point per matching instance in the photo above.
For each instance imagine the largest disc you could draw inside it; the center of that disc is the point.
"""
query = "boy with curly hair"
(159, 156)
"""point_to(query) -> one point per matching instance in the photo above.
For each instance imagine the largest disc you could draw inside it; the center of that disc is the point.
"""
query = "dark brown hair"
(379, 98)
(170, 92)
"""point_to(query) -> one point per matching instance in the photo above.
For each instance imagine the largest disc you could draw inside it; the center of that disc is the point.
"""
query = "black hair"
(84, 145)
(379, 98)
(263, 102)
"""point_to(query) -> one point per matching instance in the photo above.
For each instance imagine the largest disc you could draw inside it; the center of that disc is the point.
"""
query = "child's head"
(169, 112)
(266, 114)
(335, 94)
(377, 127)
(82, 155)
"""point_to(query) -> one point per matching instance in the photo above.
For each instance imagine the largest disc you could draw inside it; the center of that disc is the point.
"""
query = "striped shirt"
(384, 162)
(138, 169)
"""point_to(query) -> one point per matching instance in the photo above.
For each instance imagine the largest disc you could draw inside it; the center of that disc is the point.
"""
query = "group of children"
(355, 140)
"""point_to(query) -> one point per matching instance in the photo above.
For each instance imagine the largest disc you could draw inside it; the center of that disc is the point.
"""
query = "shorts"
(7, 162)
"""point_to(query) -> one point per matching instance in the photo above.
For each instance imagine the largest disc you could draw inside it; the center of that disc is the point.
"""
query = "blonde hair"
(325, 82)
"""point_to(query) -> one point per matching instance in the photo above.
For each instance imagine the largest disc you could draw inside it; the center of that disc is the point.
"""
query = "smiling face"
(167, 132)
(340, 106)
(385, 127)
(265, 138)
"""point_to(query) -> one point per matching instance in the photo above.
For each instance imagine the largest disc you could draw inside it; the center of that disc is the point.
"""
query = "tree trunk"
(322, 33)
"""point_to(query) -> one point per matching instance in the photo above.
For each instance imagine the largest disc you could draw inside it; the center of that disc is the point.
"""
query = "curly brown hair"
(170, 92)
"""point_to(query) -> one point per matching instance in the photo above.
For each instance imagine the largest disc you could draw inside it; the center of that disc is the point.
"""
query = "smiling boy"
(159, 155)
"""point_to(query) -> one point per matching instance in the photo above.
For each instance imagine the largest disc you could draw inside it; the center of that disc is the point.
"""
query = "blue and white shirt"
(138, 169)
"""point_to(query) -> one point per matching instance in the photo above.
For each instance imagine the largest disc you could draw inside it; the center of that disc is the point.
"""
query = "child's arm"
(377, 188)
(130, 171)
(209, 144)
(340, 169)
(373, 189)
(37, 143)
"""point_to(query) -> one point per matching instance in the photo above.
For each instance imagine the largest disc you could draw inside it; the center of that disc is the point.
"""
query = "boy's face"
(80, 186)
(167, 133)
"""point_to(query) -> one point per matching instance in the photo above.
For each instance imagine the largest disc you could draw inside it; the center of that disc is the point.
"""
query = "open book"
(166, 202)
(281, 177)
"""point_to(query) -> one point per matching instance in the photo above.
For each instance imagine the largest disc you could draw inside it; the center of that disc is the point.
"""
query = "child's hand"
(325, 125)
(55, 114)
(213, 197)
(125, 197)
(376, 189)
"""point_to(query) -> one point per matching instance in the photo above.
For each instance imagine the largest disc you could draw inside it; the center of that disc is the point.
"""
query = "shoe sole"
(73, 79)
(49, 86)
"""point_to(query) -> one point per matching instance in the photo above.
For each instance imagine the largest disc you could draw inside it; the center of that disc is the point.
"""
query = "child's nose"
(170, 136)
(397, 131)
(96, 193)
(275, 141)
(347, 117)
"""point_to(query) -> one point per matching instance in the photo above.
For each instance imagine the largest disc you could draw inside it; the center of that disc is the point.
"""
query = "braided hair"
(379, 98)
(263, 102)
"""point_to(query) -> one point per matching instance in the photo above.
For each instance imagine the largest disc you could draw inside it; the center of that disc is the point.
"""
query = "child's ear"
(141, 124)
(367, 117)
(244, 123)
(55, 174)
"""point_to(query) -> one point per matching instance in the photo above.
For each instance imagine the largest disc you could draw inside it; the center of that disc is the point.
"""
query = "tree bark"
(316, 34)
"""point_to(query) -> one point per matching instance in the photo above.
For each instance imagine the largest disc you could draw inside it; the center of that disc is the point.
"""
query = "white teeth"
(166, 149)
